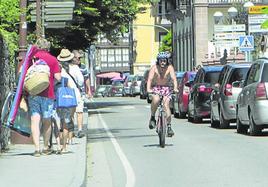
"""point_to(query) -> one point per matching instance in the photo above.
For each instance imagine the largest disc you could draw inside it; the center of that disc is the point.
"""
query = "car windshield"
(129, 79)
(212, 77)
(238, 74)
(264, 73)
(117, 83)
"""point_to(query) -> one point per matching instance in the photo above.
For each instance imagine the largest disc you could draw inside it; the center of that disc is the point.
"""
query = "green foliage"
(9, 20)
(166, 43)
(92, 17)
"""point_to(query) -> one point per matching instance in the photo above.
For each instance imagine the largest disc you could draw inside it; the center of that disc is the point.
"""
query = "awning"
(109, 75)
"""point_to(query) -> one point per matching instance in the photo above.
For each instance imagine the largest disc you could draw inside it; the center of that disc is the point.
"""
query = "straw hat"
(65, 55)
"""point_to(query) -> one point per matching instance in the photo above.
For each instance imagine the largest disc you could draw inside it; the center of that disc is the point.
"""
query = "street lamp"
(218, 16)
(246, 6)
(232, 12)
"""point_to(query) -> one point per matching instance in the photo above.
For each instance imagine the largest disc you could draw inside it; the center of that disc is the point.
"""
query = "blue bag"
(65, 96)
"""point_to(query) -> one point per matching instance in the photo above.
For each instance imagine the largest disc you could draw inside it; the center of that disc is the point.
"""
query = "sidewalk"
(19, 168)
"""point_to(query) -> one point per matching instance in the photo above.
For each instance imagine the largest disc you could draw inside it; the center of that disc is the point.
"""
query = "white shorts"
(80, 106)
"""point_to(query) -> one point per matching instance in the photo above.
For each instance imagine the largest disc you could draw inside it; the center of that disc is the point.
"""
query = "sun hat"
(65, 55)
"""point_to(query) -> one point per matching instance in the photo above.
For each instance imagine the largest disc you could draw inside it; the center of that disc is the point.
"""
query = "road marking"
(128, 107)
(148, 106)
(130, 182)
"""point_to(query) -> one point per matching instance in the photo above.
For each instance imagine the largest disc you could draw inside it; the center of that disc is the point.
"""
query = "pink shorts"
(162, 90)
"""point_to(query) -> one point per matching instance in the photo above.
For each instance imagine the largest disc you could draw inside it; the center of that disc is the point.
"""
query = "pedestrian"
(41, 105)
(66, 114)
(74, 67)
(77, 60)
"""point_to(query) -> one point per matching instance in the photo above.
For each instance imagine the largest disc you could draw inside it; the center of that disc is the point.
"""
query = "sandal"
(58, 152)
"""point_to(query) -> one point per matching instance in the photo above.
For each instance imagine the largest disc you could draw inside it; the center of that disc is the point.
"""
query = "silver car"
(252, 102)
(224, 96)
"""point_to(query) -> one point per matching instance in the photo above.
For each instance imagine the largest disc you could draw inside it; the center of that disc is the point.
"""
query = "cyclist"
(160, 80)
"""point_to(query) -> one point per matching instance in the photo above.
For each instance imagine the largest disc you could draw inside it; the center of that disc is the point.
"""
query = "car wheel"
(213, 123)
(223, 123)
(253, 128)
(190, 119)
(240, 128)
(196, 119)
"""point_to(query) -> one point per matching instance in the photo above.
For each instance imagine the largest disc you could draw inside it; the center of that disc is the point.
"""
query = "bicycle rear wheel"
(4, 130)
(162, 130)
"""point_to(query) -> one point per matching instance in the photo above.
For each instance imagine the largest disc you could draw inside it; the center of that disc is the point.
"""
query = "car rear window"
(191, 77)
(238, 74)
(264, 77)
(139, 78)
(212, 77)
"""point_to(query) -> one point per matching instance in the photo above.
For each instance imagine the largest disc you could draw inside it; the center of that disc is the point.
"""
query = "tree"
(166, 43)
(93, 17)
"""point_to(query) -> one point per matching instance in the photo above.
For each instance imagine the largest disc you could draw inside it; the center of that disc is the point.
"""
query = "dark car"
(199, 97)
(225, 93)
(182, 97)
(179, 75)
(143, 87)
(102, 91)
(127, 84)
(116, 88)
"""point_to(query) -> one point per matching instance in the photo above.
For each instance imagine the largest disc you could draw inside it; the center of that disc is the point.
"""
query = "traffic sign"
(228, 35)
(229, 28)
(261, 9)
(246, 43)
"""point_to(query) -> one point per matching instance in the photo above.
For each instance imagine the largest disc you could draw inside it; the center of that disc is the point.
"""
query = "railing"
(233, 1)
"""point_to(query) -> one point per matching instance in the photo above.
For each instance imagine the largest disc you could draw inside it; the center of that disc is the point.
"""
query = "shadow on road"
(96, 135)
(157, 145)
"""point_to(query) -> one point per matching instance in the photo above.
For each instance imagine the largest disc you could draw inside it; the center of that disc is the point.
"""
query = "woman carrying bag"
(66, 113)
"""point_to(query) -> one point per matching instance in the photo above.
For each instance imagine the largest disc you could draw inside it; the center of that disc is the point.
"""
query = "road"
(122, 151)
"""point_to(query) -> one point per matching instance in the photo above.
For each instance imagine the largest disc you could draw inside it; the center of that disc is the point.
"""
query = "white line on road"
(128, 107)
(130, 181)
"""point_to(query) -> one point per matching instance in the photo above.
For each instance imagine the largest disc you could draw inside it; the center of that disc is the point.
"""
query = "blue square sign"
(246, 43)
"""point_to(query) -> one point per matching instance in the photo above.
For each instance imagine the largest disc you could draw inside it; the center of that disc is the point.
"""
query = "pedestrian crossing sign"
(246, 43)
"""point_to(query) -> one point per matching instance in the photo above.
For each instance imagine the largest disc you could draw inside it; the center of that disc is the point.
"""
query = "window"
(103, 55)
(250, 77)
(212, 77)
(111, 57)
(264, 73)
(238, 74)
(160, 7)
(125, 54)
(118, 55)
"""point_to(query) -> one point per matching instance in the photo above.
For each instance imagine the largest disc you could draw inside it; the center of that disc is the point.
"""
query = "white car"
(252, 102)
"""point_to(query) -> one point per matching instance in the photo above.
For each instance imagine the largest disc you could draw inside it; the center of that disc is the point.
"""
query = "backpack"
(37, 77)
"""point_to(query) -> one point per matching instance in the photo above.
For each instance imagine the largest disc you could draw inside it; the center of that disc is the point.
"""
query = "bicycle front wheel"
(162, 130)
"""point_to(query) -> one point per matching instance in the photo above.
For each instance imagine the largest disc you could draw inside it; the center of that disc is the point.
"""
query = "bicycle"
(161, 124)
(4, 129)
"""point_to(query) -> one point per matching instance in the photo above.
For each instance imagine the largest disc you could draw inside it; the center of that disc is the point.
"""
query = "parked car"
(135, 85)
(199, 97)
(102, 91)
(116, 88)
(127, 84)
(143, 86)
(225, 93)
(252, 102)
(182, 97)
